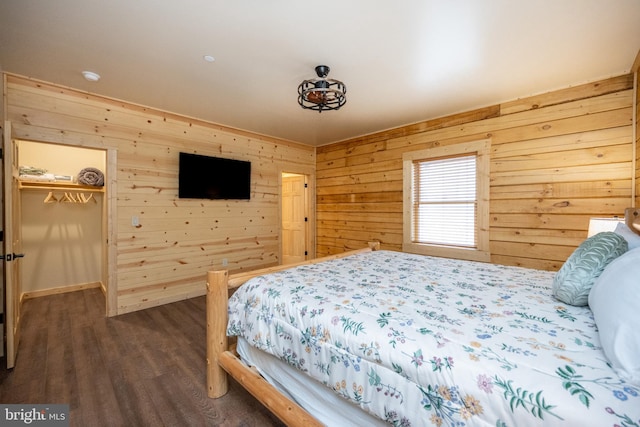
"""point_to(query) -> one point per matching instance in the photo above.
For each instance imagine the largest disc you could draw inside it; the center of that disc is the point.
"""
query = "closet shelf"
(64, 186)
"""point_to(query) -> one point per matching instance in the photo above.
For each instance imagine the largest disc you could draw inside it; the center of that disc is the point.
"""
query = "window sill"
(447, 252)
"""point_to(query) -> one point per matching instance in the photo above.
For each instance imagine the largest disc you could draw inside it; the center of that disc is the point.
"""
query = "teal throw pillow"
(574, 280)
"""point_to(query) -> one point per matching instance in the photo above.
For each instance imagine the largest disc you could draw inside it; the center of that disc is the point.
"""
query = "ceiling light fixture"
(322, 93)
(208, 58)
(91, 76)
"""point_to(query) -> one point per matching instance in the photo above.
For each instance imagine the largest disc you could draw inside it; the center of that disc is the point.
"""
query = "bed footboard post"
(217, 343)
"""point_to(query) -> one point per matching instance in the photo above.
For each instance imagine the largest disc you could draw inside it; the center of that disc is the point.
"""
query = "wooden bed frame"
(222, 360)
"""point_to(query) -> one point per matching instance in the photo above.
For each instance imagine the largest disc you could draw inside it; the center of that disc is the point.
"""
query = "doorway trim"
(111, 214)
(109, 223)
(309, 208)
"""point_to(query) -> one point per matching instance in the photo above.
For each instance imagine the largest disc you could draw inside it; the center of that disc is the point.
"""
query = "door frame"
(109, 222)
(309, 209)
(11, 280)
(294, 214)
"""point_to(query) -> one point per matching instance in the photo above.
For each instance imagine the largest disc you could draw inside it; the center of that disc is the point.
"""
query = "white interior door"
(12, 249)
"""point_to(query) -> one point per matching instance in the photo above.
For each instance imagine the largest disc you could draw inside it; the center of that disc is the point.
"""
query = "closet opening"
(59, 210)
(62, 218)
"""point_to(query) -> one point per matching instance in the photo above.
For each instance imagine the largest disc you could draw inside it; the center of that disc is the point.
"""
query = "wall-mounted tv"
(206, 177)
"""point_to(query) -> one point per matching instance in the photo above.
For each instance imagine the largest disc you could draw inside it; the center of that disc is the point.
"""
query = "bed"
(384, 337)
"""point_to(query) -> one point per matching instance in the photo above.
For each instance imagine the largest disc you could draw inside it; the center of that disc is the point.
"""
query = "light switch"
(135, 221)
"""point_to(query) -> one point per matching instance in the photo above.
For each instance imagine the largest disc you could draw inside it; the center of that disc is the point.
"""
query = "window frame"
(481, 252)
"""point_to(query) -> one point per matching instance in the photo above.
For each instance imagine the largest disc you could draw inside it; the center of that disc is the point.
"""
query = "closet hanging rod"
(24, 185)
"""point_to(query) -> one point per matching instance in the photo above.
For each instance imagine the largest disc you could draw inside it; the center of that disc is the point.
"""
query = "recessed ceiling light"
(208, 58)
(91, 76)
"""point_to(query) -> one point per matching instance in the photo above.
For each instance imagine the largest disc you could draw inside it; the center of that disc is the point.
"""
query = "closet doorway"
(61, 226)
(295, 217)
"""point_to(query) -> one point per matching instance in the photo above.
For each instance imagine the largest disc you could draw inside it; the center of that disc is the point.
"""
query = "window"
(446, 203)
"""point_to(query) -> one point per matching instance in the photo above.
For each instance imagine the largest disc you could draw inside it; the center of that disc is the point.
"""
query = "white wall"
(61, 241)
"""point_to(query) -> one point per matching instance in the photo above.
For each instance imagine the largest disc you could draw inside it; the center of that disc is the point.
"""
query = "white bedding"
(422, 341)
(326, 406)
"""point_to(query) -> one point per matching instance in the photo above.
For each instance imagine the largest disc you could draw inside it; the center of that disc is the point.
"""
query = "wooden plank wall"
(166, 258)
(557, 159)
(637, 135)
(637, 146)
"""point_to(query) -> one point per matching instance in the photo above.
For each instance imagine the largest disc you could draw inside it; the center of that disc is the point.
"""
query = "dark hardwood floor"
(146, 368)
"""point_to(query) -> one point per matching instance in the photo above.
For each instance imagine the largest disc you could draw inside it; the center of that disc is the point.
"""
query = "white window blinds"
(445, 201)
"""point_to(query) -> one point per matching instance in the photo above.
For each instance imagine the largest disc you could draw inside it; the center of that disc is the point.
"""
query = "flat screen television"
(206, 177)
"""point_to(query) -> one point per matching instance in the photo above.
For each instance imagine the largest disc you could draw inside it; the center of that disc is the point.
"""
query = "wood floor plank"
(135, 403)
(96, 396)
(60, 373)
(146, 368)
(32, 369)
(170, 394)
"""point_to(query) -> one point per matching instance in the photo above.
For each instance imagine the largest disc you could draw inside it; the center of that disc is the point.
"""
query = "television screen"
(205, 177)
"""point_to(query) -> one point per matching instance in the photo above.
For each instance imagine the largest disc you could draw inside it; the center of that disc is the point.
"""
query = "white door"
(12, 249)
(294, 219)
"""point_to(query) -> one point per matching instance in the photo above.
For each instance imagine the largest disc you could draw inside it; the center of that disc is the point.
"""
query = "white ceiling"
(402, 61)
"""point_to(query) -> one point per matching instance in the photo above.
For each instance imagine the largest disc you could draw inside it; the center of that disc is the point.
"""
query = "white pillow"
(632, 238)
(615, 302)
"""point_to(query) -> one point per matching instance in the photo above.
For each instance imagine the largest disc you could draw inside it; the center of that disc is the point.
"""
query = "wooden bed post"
(217, 342)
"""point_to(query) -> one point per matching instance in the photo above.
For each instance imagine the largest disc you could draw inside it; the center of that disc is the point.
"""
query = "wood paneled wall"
(637, 145)
(635, 68)
(167, 256)
(557, 159)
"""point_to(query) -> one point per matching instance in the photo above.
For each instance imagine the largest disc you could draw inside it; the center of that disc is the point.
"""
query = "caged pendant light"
(322, 93)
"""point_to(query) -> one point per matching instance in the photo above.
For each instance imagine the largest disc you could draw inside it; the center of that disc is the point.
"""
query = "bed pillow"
(633, 239)
(614, 300)
(574, 280)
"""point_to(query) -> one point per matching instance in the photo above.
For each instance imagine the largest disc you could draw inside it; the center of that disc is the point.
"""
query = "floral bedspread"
(425, 341)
